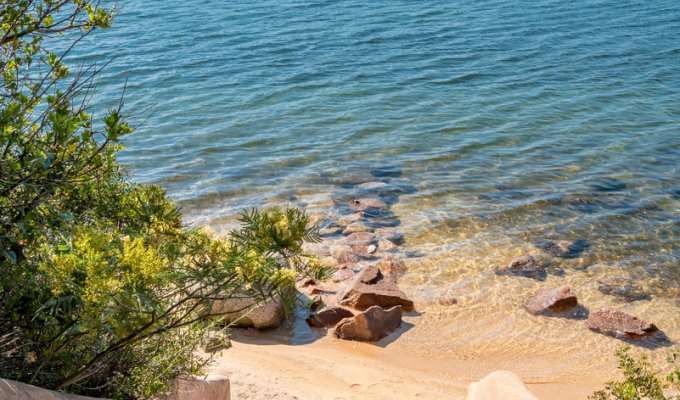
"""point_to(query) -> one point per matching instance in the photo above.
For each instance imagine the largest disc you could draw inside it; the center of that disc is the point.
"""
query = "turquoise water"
(509, 122)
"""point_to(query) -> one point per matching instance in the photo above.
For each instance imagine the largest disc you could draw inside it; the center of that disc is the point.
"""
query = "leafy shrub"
(641, 381)
(103, 290)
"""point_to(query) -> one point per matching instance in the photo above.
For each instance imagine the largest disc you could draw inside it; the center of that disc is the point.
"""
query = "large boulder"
(616, 323)
(245, 312)
(499, 385)
(329, 316)
(550, 301)
(370, 325)
(525, 266)
(371, 288)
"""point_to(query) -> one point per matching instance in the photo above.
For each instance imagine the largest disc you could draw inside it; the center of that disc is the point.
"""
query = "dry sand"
(264, 368)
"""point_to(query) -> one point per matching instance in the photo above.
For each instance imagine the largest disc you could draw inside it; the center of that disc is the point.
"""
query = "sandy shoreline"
(263, 367)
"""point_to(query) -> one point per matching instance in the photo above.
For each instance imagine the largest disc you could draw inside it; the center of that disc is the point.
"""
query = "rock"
(241, 311)
(364, 252)
(191, 388)
(330, 231)
(370, 204)
(619, 287)
(369, 326)
(563, 248)
(12, 390)
(525, 266)
(361, 239)
(619, 324)
(549, 301)
(358, 226)
(329, 316)
(348, 257)
(394, 237)
(499, 385)
(370, 288)
(342, 275)
(386, 245)
(348, 219)
(391, 265)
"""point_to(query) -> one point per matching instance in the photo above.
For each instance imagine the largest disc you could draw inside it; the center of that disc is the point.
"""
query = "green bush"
(103, 290)
(641, 381)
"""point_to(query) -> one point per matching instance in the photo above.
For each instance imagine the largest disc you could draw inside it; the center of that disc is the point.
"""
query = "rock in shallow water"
(370, 288)
(525, 266)
(361, 239)
(368, 204)
(619, 324)
(620, 287)
(370, 325)
(550, 301)
(329, 316)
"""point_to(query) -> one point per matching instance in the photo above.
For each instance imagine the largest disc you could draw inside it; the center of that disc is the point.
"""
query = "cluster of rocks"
(561, 302)
(367, 309)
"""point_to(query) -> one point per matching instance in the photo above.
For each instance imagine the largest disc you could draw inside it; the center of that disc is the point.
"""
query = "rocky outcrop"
(329, 316)
(243, 311)
(616, 323)
(370, 325)
(550, 301)
(525, 266)
(371, 288)
(499, 385)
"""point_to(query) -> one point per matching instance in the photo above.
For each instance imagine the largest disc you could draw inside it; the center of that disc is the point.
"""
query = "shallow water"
(503, 125)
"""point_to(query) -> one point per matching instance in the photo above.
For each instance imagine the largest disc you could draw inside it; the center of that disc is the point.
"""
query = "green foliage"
(103, 291)
(641, 381)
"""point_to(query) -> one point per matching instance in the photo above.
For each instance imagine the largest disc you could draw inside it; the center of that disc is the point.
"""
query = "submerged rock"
(361, 239)
(620, 287)
(525, 266)
(550, 301)
(563, 248)
(369, 204)
(616, 323)
(329, 316)
(370, 288)
(369, 326)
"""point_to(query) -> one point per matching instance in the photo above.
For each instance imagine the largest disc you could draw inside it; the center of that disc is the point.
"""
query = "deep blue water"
(509, 119)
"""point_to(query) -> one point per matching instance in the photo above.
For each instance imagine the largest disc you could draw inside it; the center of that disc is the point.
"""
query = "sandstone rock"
(620, 287)
(370, 288)
(370, 325)
(11, 390)
(361, 239)
(190, 388)
(348, 257)
(619, 324)
(551, 301)
(499, 385)
(369, 204)
(329, 316)
(391, 235)
(342, 275)
(364, 252)
(391, 265)
(525, 266)
(348, 219)
(242, 311)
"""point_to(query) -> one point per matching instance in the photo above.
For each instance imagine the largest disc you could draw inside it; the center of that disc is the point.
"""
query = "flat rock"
(616, 323)
(371, 288)
(549, 301)
(329, 316)
(361, 239)
(368, 204)
(525, 266)
(369, 326)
